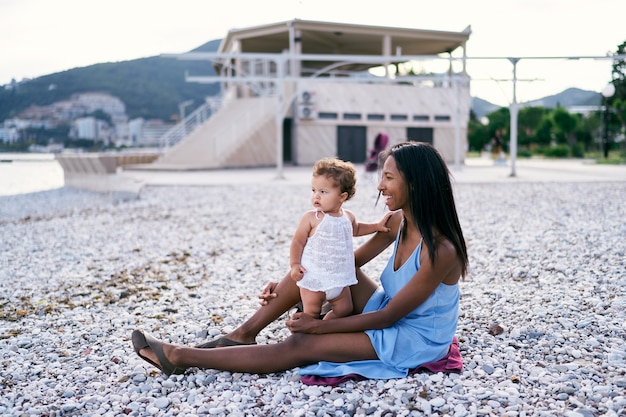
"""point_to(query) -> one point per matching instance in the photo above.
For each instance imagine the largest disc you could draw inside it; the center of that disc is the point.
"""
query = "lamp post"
(607, 92)
(181, 110)
(514, 110)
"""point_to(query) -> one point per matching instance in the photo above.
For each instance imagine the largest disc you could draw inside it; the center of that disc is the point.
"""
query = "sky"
(41, 37)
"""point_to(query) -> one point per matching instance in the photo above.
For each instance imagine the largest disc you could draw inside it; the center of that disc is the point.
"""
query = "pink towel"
(451, 363)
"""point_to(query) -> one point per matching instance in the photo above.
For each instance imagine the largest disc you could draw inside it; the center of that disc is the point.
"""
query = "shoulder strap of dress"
(418, 253)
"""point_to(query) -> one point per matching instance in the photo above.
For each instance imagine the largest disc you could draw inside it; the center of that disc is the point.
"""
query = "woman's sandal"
(142, 341)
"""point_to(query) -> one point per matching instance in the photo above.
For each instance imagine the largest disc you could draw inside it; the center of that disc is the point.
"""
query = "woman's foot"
(151, 350)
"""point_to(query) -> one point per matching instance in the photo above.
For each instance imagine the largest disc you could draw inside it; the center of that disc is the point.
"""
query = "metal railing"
(189, 123)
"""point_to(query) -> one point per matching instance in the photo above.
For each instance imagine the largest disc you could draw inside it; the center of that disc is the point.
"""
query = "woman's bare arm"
(414, 293)
(379, 242)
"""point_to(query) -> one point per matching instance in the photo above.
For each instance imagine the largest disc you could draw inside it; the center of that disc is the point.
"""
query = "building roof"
(327, 38)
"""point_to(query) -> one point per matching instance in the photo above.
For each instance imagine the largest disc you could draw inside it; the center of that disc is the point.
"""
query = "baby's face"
(325, 195)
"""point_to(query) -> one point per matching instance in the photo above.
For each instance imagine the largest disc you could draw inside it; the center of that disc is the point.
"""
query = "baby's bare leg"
(312, 302)
(341, 305)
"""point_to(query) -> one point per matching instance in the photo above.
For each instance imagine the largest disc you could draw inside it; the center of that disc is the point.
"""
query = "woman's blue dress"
(423, 336)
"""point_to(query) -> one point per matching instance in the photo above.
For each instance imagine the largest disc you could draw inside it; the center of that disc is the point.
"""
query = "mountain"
(482, 107)
(572, 97)
(149, 87)
(568, 98)
(153, 87)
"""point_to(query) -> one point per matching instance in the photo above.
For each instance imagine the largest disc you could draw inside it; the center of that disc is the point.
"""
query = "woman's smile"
(387, 198)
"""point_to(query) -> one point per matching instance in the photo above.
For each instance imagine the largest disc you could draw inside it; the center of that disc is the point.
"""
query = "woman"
(409, 321)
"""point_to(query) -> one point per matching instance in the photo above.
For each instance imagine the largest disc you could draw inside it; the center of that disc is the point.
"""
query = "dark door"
(287, 150)
(351, 143)
(420, 134)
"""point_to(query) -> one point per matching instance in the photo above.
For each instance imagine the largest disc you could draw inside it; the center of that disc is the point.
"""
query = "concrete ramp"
(99, 171)
(240, 134)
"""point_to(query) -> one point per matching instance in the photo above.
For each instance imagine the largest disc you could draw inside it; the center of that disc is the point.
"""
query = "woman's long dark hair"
(430, 195)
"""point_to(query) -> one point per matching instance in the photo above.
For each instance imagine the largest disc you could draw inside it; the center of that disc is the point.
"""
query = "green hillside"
(149, 87)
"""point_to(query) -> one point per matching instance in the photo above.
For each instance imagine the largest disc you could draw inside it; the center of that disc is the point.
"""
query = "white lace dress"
(328, 256)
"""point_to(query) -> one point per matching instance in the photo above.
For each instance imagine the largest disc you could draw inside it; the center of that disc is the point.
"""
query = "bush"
(524, 153)
(578, 150)
(558, 151)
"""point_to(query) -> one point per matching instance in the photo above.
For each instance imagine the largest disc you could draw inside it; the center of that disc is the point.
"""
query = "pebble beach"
(541, 329)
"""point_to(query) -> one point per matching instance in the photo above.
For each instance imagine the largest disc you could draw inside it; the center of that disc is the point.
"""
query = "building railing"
(189, 123)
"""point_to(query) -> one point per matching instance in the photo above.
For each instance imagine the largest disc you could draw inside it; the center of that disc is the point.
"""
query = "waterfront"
(22, 173)
(32, 172)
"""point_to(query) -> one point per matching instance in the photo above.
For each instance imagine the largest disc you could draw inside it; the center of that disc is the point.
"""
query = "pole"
(605, 130)
(513, 110)
(181, 109)
(457, 125)
(280, 91)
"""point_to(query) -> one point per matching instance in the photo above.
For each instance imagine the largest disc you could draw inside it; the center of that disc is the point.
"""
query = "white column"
(513, 109)
(387, 53)
(457, 123)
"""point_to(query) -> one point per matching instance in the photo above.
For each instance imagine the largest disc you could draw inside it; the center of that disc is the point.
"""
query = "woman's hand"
(302, 323)
(268, 293)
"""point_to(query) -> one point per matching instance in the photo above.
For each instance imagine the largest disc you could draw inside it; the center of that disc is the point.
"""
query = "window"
(442, 118)
(375, 116)
(352, 116)
(421, 117)
(326, 115)
(399, 117)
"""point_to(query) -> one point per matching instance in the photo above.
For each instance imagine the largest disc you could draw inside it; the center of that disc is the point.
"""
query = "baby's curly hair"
(341, 172)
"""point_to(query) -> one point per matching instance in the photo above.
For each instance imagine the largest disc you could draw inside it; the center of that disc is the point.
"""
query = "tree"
(619, 108)
(619, 75)
(477, 135)
(565, 125)
(617, 102)
(529, 120)
(590, 129)
(544, 131)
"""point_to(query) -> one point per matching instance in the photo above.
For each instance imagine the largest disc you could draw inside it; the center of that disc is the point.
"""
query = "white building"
(147, 133)
(77, 107)
(92, 129)
(9, 134)
(298, 91)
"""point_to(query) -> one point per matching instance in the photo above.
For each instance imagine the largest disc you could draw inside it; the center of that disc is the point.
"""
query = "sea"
(22, 173)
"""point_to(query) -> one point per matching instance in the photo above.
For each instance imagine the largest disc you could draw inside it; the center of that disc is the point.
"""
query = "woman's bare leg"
(362, 291)
(287, 295)
(297, 350)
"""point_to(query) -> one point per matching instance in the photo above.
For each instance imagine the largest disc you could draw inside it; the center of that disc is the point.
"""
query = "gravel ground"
(541, 331)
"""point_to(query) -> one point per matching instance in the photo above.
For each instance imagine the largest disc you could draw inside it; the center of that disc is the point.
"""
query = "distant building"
(147, 133)
(9, 135)
(106, 103)
(73, 111)
(84, 128)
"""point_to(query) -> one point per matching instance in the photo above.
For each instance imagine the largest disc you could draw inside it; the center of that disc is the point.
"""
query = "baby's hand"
(297, 272)
(382, 224)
